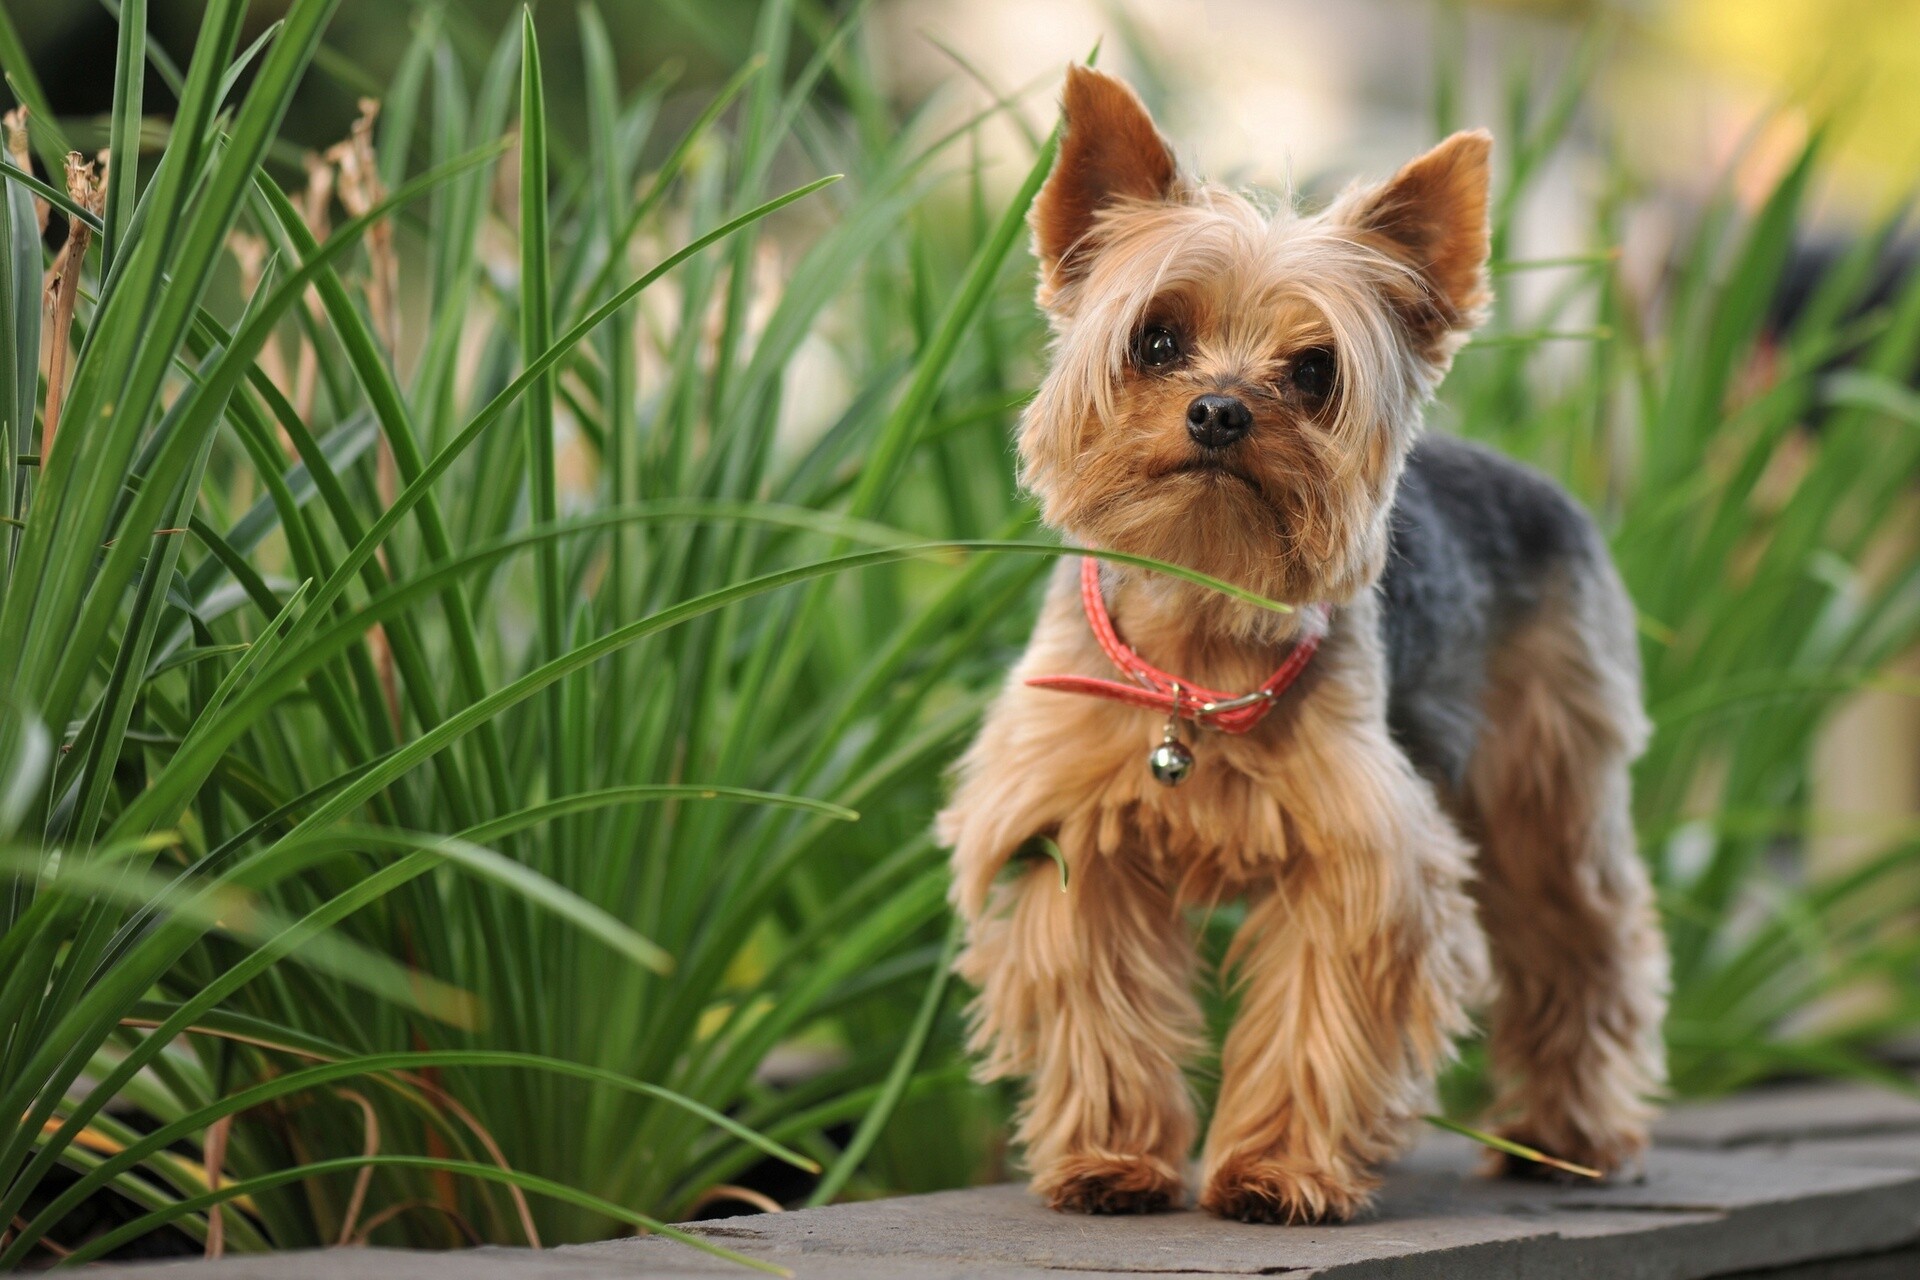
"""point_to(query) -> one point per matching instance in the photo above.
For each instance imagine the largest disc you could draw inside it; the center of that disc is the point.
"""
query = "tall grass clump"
(1760, 489)
(430, 777)
(483, 619)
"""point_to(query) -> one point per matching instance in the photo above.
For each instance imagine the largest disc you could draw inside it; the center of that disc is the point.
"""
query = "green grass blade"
(536, 335)
(1510, 1147)
(46, 135)
(586, 801)
(20, 309)
(123, 140)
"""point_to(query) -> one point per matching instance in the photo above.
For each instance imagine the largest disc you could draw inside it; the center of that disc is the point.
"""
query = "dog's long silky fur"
(1451, 770)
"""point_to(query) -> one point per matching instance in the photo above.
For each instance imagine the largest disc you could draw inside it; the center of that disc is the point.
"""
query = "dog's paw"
(1270, 1191)
(1616, 1157)
(1110, 1184)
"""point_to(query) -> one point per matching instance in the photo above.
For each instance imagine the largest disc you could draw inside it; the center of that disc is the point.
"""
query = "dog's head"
(1231, 389)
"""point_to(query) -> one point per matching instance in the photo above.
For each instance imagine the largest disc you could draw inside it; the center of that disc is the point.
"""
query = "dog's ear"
(1433, 216)
(1109, 150)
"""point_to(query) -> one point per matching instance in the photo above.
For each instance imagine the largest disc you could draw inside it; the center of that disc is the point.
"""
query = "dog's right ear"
(1109, 150)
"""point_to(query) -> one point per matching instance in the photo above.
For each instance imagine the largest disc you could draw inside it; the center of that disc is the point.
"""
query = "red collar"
(1159, 691)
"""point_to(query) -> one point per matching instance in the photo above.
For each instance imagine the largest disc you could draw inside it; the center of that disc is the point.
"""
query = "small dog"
(1241, 393)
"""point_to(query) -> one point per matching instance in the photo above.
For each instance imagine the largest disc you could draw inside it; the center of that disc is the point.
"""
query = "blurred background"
(1708, 327)
(1263, 91)
(1688, 98)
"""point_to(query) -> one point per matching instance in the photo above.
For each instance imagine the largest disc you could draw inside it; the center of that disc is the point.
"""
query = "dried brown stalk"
(358, 1199)
(314, 204)
(392, 1211)
(215, 1150)
(360, 189)
(250, 256)
(15, 125)
(417, 1079)
(745, 1195)
(20, 1223)
(87, 187)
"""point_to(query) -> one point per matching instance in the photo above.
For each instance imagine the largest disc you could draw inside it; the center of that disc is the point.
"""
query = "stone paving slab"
(1790, 1113)
(1883, 1151)
(1903, 1265)
(1696, 1215)
(1699, 1213)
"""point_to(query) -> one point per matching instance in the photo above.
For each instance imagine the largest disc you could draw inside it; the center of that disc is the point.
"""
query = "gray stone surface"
(1883, 1151)
(1790, 1113)
(1696, 1215)
(1740, 1197)
(1903, 1265)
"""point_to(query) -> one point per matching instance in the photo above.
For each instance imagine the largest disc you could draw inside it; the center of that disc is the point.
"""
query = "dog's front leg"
(1354, 969)
(1087, 991)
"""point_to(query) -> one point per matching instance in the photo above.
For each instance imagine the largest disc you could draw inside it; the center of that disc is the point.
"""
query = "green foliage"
(436, 771)
(1763, 526)
(368, 761)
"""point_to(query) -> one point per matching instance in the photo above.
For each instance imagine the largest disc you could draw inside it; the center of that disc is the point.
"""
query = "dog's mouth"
(1216, 477)
(1216, 467)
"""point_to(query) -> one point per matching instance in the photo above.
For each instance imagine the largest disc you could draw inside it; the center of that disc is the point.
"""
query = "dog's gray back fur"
(1477, 543)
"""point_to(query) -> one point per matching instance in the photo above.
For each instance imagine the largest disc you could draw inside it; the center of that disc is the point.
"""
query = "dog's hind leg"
(1578, 955)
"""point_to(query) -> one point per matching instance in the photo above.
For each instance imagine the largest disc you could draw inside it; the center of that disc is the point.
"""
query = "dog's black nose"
(1215, 422)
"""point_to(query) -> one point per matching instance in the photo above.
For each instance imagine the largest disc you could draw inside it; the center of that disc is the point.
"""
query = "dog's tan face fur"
(1332, 329)
(1363, 946)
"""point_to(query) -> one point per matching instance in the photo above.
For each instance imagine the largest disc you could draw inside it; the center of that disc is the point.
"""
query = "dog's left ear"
(1432, 215)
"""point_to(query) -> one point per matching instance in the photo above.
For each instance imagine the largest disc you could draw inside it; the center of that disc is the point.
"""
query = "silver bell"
(1171, 762)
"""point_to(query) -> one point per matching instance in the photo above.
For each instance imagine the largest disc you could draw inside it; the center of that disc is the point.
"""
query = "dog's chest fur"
(1477, 545)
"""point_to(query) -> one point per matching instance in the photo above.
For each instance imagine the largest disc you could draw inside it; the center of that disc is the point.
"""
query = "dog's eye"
(1157, 347)
(1313, 372)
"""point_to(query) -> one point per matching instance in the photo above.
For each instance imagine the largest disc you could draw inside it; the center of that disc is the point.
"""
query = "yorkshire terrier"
(1241, 392)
